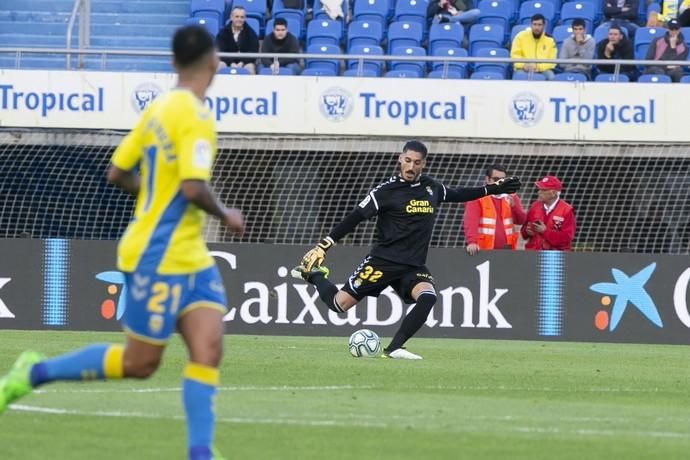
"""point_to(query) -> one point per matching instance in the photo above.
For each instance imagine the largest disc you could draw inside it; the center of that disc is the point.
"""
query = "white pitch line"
(226, 388)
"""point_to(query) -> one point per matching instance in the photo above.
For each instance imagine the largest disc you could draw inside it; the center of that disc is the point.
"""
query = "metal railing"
(83, 8)
(360, 58)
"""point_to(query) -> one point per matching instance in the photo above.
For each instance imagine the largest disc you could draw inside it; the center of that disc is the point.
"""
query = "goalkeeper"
(406, 205)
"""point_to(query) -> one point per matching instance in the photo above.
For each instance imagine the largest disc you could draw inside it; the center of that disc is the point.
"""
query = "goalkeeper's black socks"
(414, 320)
(327, 291)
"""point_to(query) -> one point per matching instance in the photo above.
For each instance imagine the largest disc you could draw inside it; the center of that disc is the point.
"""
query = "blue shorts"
(155, 302)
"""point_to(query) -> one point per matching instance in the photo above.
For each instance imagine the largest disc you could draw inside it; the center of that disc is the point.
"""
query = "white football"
(364, 344)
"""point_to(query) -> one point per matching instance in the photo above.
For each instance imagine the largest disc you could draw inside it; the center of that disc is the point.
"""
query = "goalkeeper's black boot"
(302, 273)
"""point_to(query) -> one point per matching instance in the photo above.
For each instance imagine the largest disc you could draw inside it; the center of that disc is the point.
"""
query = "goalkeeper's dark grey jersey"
(406, 213)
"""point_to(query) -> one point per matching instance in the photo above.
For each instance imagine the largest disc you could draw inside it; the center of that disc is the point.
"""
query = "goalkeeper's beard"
(409, 175)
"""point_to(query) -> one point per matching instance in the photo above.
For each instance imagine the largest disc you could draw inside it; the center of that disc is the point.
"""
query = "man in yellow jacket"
(534, 43)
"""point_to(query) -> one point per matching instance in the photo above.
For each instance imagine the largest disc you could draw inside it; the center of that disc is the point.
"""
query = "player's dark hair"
(190, 44)
(495, 167)
(416, 146)
(280, 22)
(538, 17)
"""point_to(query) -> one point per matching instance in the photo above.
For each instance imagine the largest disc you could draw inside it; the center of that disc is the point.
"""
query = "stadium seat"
(417, 67)
(327, 65)
(485, 36)
(528, 76)
(574, 10)
(358, 73)
(324, 32)
(208, 8)
(445, 35)
(364, 33)
(233, 71)
(643, 37)
(293, 26)
(210, 23)
(499, 12)
(278, 10)
(570, 76)
(517, 28)
(319, 72)
(402, 74)
(255, 25)
(440, 74)
(500, 68)
(254, 8)
(404, 33)
(371, 11)
(685, 79)
(609, 77)
(560, 33)
(650, 78)
(411, 11)
(455, 67)
(373, 66)
(532, 7)
(281, 71)
(487, 75)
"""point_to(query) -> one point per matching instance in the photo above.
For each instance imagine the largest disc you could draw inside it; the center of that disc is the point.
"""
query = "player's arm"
(461, 194)
(122, 170)
(366, 209)
(127, 180)
(198, 192)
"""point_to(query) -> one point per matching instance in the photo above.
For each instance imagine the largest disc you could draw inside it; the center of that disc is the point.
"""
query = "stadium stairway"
(132, 24)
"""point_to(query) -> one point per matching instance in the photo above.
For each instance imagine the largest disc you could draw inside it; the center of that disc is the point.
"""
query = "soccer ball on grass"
(364, 344)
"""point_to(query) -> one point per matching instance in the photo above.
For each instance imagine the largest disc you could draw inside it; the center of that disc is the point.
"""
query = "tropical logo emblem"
(526, 109)
(143, 95)
(335, 104)
(114, 304)
(626, 290)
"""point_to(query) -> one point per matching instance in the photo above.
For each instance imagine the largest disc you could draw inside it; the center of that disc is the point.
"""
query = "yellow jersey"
(174, 140)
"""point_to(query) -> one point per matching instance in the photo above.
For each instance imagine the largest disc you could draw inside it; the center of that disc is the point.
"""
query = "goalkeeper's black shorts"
(373, 275)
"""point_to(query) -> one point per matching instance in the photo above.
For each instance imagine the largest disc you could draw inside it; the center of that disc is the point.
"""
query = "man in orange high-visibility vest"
(489, 222)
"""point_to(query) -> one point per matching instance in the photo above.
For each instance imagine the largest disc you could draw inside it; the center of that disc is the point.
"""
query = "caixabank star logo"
(625, 291)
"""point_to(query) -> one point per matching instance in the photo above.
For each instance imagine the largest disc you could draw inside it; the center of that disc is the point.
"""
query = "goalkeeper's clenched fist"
(315, 256)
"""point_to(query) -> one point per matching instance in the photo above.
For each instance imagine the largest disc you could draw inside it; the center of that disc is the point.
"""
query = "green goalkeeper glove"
(316, 256)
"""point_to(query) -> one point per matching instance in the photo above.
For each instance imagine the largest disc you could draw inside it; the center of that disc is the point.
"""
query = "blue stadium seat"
(404, 33)
(445, 35)
(209, 22)
(500, 68)
(570, 76)
(499, 12)
(281, 71)
(319, 13)
(532, 7)
(528, 76)
(411, 11)
(440, 74)
(560, 33)
(487, 75)
(685, 79)
(233, 71)
(417, 67)
(609, 77)
(517, 28)
(649, 78)
(324, 32)
(254, 9)
(293, 26)
(372, 67)
(574, 10)
(485, 36)
(214, 8)
(372, 11)
(357, 73)
(455, 67)
(364, 33)
(320, 72)
(643, 37)
(255, 25)
(402, 74)
(329, 66)
(278, 10)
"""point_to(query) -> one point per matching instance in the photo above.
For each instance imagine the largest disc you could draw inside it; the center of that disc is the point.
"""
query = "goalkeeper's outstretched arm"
(316, 255)
(461, 194)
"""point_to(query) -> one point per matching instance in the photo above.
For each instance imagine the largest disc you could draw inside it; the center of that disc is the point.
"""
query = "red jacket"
(473, 213)
(560, 227)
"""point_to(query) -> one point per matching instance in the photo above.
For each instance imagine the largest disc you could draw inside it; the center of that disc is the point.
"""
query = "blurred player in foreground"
(171, 279)
(406, 208)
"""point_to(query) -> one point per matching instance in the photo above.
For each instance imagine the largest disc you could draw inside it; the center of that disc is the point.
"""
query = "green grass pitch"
(306, 398)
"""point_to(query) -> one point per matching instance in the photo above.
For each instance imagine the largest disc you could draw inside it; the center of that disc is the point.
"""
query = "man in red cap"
(550, 222)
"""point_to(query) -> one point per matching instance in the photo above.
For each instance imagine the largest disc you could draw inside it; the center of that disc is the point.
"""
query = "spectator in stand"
(235, 37)
(534, 43)
(280, 41)
(670, 9)
(623, 13)
(580, 45)
(550, 223)
(616, 46)
(461, 11)
(670, 47)
(489, 222)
